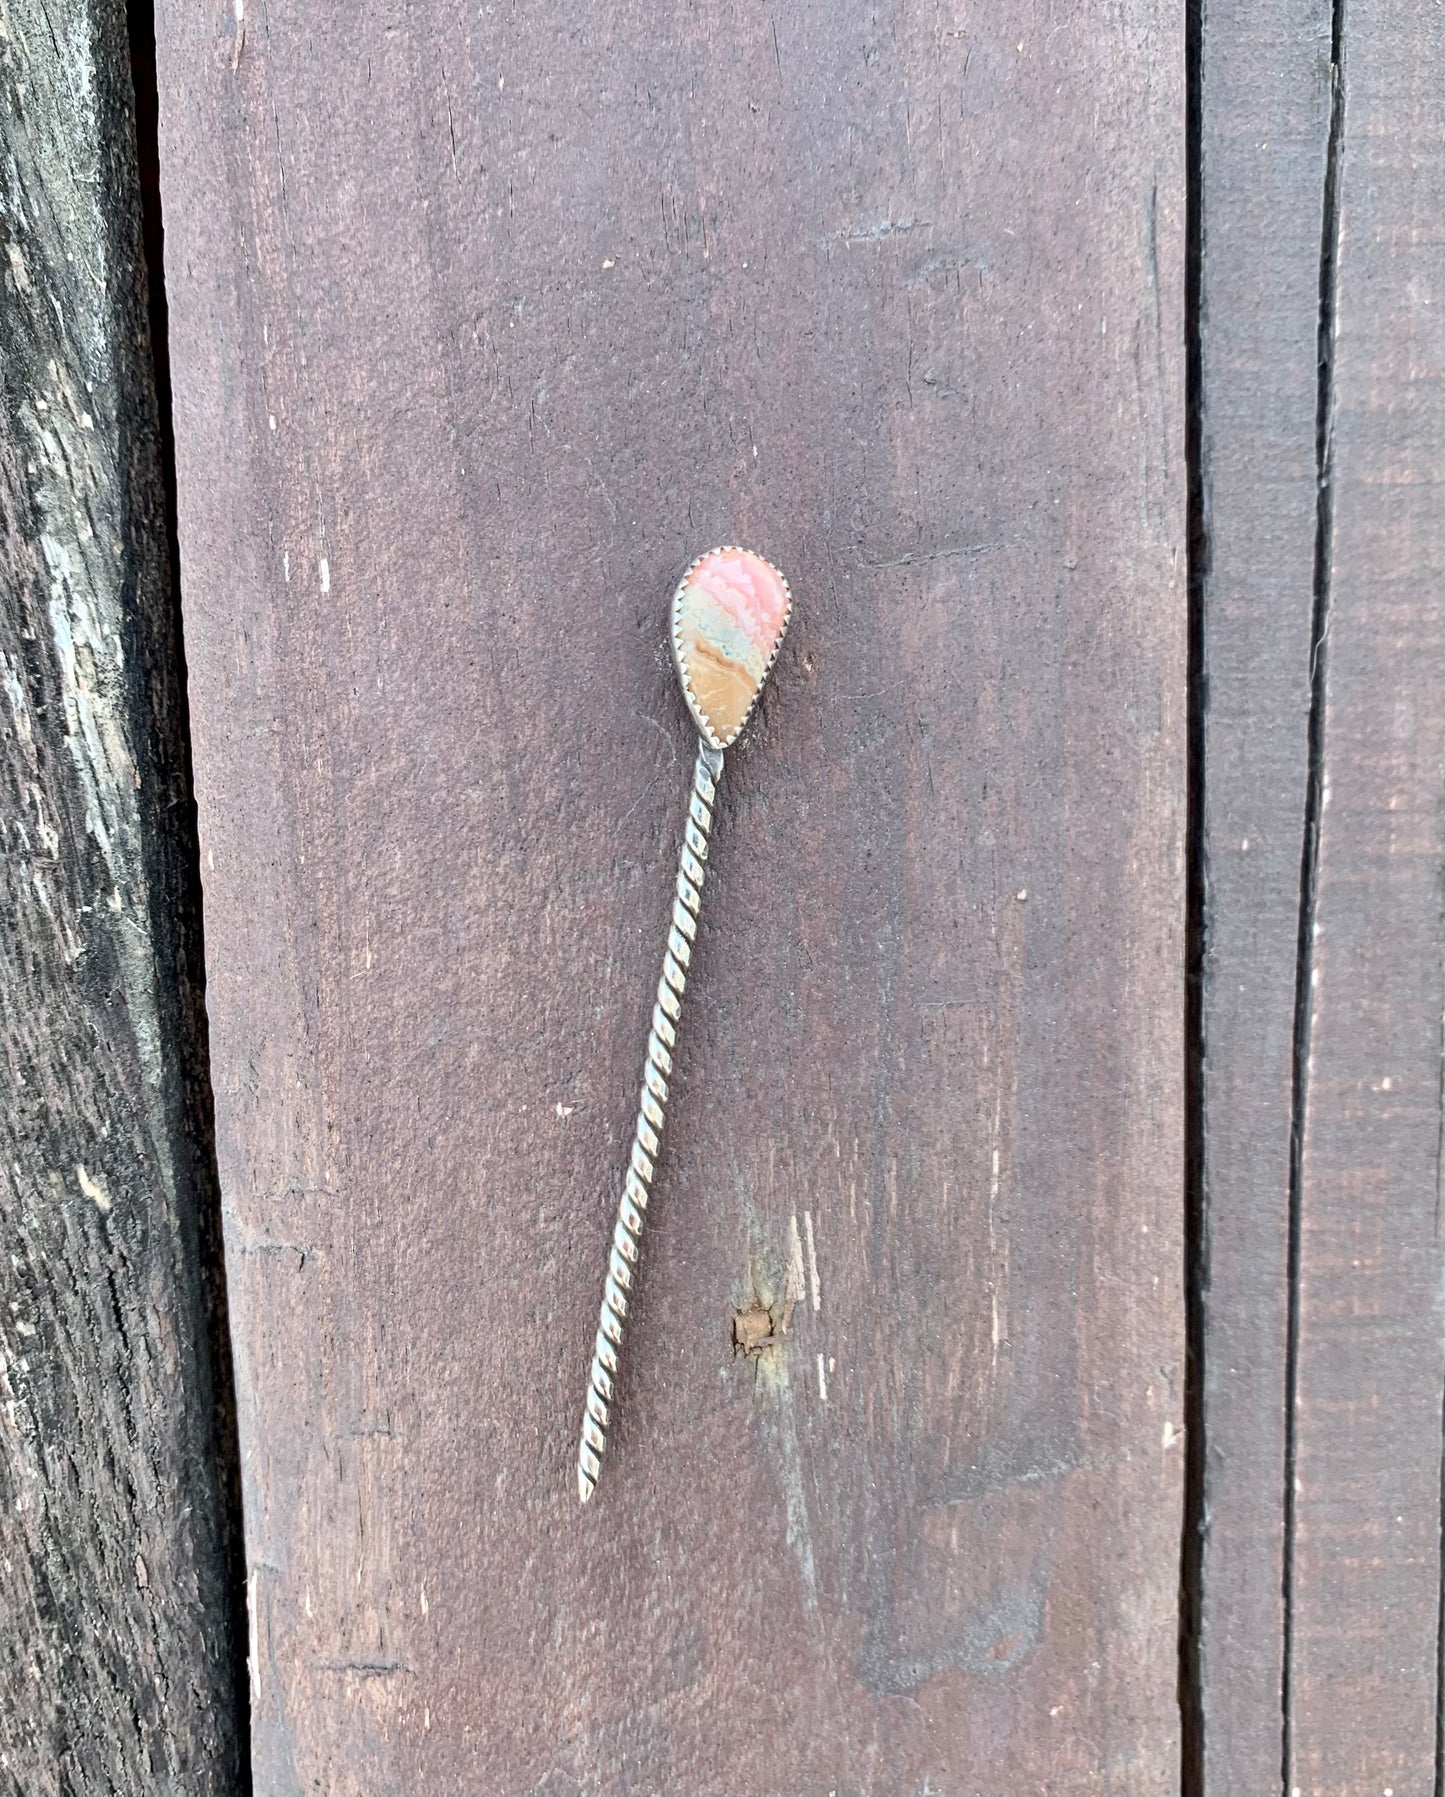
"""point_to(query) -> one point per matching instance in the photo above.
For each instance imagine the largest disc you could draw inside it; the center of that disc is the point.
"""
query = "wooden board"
(1365, 1575)
(1264, 76)
(1323, 663)
(118, 1647)
(483, 322)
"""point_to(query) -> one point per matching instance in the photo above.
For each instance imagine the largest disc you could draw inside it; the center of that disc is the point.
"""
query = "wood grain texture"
(484, 322)
(1264, 126)
(1365, 1623)
(117, 1653)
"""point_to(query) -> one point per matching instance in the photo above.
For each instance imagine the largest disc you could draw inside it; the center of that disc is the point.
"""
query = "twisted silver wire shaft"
(661, 1040)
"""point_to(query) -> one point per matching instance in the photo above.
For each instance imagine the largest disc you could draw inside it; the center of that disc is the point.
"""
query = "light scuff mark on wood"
(814, 1281)
(794, 1288)
(93, 1190)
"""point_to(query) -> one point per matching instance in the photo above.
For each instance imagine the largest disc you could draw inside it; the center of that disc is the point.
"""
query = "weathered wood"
(117, 1654)
(1365, 1574)
(1264, 124)
(1323, 665)
(483, 323)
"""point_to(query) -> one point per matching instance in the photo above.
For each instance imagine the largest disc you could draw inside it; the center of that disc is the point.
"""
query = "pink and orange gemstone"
(728, 617)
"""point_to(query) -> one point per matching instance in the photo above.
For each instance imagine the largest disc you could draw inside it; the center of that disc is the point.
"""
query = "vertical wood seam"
(1439, 1781)
(1309, 857)
(1196, 1236)
(141, 45)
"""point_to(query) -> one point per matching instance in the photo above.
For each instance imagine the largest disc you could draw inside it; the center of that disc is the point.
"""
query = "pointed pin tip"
(585, 1486)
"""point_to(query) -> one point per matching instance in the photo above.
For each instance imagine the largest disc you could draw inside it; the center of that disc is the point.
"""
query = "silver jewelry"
(729, 613)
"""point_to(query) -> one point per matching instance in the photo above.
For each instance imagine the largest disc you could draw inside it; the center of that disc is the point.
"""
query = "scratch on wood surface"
(816, 1283)
(794, 1288)
(253, 1635)
(994, 1178)
(451, 123)
(365, 1668)
(946, 552)
(797, 1526)
(881, 230)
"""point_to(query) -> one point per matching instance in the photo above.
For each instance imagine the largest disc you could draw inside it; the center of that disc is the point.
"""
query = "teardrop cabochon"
(729, 613)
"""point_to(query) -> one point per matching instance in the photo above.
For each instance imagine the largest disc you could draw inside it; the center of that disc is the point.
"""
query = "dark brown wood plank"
(1264, 77)
(483, 323)
(1363, 1694)
(118, 1655)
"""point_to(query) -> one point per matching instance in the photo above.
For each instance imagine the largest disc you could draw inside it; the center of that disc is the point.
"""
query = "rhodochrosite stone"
(728, 617)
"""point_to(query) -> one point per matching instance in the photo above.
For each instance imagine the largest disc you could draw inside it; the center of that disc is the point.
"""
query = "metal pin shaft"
(662, 1039)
